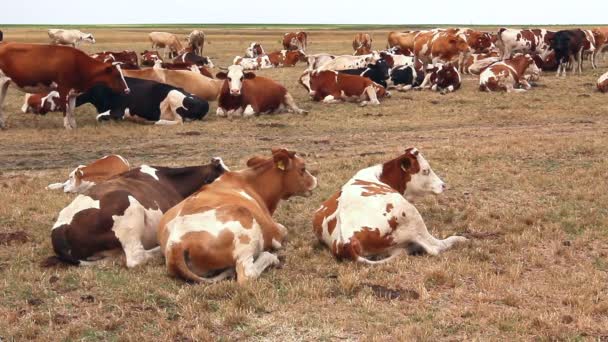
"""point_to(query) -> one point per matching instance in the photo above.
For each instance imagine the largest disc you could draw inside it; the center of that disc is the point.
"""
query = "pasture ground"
(527, 176)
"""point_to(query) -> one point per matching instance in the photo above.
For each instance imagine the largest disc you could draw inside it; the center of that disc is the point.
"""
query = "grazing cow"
(315, 61)
(254, 50)
(372, 214)
(194, 83)
(227, 226)
(84, 177)
(346, 62)
(549, 63)
(569, 45)
(332, 87)
(257, 63)
(65, 69)
(128, 59)
(42, 103)
(602, 83)
(295, 41)
(122, 213)
(362, 44)
(192, 58)
(535, 41)
(286, 58)
(69, 37)
(148, 102)
(377, 72)
(405, 77)
(196, 41)
(444, 46)
(247, 94)
(403, 40)
(184, 66)
(507, 75)
(476, 62)
(443, 78)
(149, 58)
(165, 40)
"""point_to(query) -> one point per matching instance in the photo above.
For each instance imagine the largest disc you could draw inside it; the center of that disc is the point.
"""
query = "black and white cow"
(148, 101)
(378, 72)
(568, 46)
(405, 77)
(192, 58)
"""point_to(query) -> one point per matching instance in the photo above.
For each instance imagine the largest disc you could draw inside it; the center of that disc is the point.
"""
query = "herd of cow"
(167, 93)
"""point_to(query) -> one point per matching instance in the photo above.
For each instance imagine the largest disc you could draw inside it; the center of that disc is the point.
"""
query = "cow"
(346, 62)
(295, 41)
(228, 226)
(316, 60)
(194, 83)
(602, 83)
(604, 48)
(531, 41)
(478, 41)
(332, 87)
(254, 50)
(196, 41)
(122, 213)
(67, 70)
(165, 40)
(372, 214)
(507, 75)
(128, 59)
(148, 102)
(362, 44)
(192, 58)
(548, 63)
(69, 37)
(257, 63)
(402, 40)
(396, 51)
(184, 66)
(405, 77)
(377, 72)
(286, 58)
(247, 94)
(148, 58)
(475, 62)
(600, 41)
(443, 46)
(400, 59)
(42, 103)
(84, 177)
(443, 78)
(569, 45)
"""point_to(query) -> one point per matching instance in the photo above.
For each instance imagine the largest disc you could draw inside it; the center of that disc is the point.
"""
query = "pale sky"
(404, 12)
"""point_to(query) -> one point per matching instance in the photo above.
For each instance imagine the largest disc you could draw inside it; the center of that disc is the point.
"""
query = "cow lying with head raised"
(122, 213)
(192, 58)
(85, 177)
(333, 87)
(507, 75)
(42, 103)
(372, 215)
(149, 58)
(377, 72)
(443, 78)
(255, 49)
(286, 58)
(248, 94)
(405, 77)
(228, 225)
(602, 83)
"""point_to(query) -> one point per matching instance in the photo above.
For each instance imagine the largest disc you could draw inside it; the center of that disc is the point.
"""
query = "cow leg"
(330, 99)
(167, 122)
(371, 95)
(426, 82)
(291, 104)
(249, 111)
(69, 122)
(220, 112)
(248, 269)
(130, 228)
(580, 61)
(4, 83)
(431, 245)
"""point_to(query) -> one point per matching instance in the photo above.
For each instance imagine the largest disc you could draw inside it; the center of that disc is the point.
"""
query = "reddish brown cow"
(403, 40)
(287, 58)
(332, 87)
(41, 103)
(295, 41)
(127, 58)
(65, 69)
(437, 46)
(602, 83)
(362, 44)
(184, 66)
(85, 177)
(148, 58)
(478, 41)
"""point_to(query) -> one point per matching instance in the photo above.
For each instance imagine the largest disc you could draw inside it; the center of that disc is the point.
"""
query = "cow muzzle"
(235, 91)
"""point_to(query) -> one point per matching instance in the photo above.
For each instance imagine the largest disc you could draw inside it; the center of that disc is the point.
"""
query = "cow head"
(193, 108)
(88, 38)
(447, 76)
(423, 179)
(297, 180)
(112, 77)
(381, 67)
(235, 77)
(49, 103)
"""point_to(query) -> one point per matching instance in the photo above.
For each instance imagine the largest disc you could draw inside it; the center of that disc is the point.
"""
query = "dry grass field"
(528, 185)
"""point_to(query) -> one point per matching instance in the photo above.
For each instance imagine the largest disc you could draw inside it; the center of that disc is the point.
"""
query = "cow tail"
(176, 263)
(61, 246)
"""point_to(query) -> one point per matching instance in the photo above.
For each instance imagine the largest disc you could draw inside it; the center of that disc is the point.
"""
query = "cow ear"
(221, 75)
(249, 75)
(406, 163)
(282, 158)
(254, 161)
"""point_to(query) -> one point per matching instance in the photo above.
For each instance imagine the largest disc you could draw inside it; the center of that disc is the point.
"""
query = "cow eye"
(242, 78)
(230, 79)
(426, 172)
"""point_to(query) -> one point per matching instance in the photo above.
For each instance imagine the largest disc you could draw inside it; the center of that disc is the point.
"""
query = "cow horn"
(222, 68)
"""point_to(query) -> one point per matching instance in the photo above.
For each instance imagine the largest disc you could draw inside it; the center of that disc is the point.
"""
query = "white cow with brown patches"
(372, 215)
(84, 177)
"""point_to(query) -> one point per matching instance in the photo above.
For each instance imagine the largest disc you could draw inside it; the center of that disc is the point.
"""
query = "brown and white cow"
(165, 40)
(529, 41)
(127, 58)
(255, 49)
(478, 41)
(601, 42)
(149, 58)
(247, 94)
(346, 62)
(372, 214)
(194, 83)
(42, 103)
(196, 41)
(441, 46)
(286, 58)
(295, 41)
(602, 83)
(316, 60)
(84, 177)
(477, 62)
(122, 214)
(362, 44)
(507, 75)
(69, 37)
(228, 226)
(256, 63)
(443, 78)
(332, 87)
(67, 70)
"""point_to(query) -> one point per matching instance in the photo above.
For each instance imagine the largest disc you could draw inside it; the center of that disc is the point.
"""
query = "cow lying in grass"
(84, 177)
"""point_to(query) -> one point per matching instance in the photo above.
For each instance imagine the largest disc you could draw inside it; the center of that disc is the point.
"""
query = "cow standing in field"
(254, 50)
(228, 226)
(67, 70)
(362, 44)
(600, 41)
(332, 87)
(507, 75)
(196, 41)
(295, 41)
(165, 40)
(403, 40)
(372, 214)
(84, 177)
(122, 214)
(247, 94)
(534, 41)
(128, 59)
(569, 46)
(69, 37)
(149, 58)
(441, 46)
